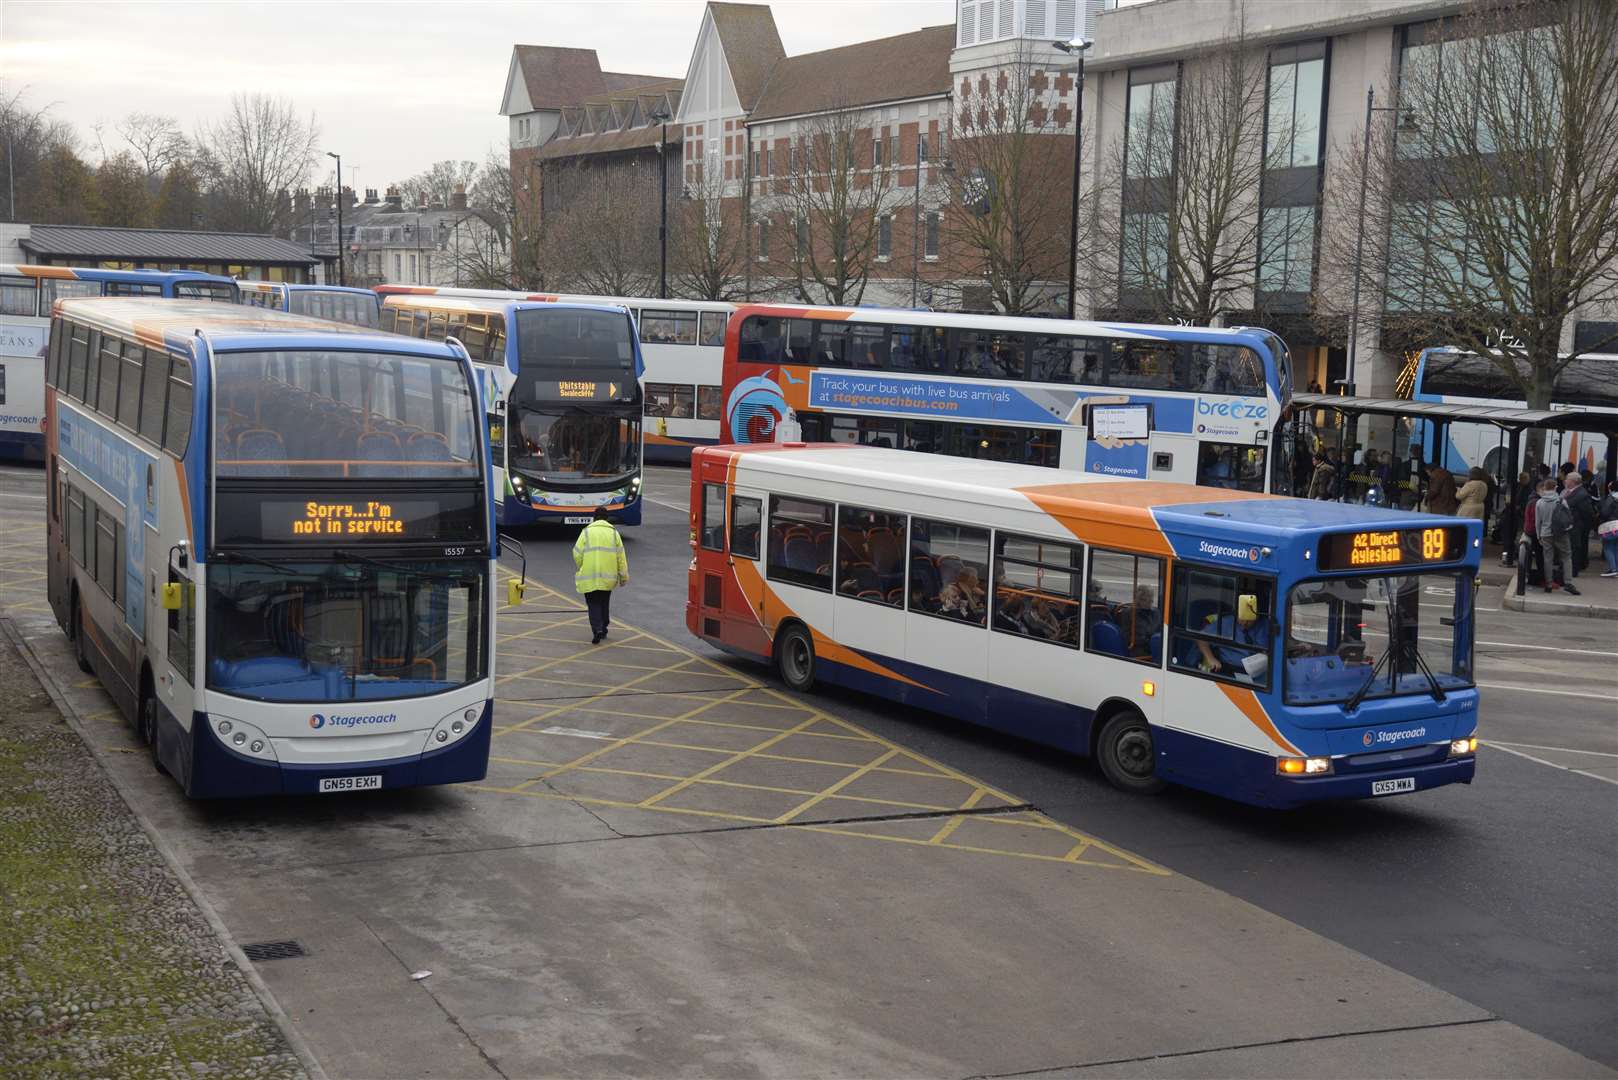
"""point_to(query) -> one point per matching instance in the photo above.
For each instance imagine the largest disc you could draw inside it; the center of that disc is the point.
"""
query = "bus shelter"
(1439, 416)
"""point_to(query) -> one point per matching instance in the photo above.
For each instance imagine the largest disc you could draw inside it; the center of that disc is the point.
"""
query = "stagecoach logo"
(1228, 551)
(317, 722)
(1371, 738)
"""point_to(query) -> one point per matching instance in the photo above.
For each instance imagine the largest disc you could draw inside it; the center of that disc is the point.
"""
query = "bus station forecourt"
(676, 866)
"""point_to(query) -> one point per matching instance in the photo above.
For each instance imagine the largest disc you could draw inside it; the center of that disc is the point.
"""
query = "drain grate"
(272, 950)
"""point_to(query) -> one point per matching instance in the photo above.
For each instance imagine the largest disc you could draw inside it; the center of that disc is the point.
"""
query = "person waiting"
(963, 597)
(1249, 634)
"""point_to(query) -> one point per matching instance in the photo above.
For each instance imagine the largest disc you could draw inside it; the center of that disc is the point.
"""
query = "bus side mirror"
(514, 591)
(173, 596)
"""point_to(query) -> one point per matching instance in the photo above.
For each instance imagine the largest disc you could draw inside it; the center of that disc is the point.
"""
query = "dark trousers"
(600, 604)
(1581, 549)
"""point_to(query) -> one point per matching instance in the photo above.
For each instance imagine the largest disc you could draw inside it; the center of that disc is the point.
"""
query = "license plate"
(351, 783)
(577, 520)
(1393, 787)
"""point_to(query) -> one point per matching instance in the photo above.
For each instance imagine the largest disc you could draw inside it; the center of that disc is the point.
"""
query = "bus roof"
(95, 273)
(160, 323)
(652, 302)
(1154, 516)
(491, 304)
(277, 286)
(1023, 324)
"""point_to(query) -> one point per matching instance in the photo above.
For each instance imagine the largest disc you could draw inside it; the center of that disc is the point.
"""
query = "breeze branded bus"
(270, 538)
(1460, 377)
(1271, 650)
(1178, 403)
(26, 296)
(360, 307)
(683, 344)
(560, 387)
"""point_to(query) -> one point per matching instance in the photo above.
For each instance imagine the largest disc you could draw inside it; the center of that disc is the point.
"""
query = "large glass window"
(1353, 638)
(314, 413)
(670, 399)
(1123, 606)
(1287, 237)
(1145, 250)
(1222, 625)
(666, 327)
(346, 630)
(949, 569)
(1037, 589)
(800, 544)
(19, 296)
(575, 444)
(573, 339)
(1293, 122)
(870, 555)
(1149, 126)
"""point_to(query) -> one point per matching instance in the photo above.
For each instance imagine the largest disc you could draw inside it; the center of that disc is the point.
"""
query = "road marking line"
(669, 505)
(1542, 690)
(835, 788)
(1558, 749)
(1548, 648)
(1552, 764)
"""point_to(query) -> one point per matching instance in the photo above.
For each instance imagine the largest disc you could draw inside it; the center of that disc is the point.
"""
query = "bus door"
(728, 529)
(178, 598)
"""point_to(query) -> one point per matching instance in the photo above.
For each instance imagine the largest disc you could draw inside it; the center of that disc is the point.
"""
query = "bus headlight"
(1463, 747)
(243, 738)
(1302, 766)
(452, 728)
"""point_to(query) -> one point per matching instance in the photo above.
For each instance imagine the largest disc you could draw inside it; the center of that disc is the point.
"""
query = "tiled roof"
(156, 245)
(618, 80)
(607, 142)
(557, 76)
(909, 65)
(752, 46)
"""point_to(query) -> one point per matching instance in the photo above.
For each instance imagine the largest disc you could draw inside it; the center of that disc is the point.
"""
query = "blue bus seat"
(1106, 637)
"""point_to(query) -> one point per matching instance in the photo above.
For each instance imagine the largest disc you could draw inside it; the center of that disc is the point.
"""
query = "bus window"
(1229, 465)
(1225, 369)
(1221, 625)
(129, 386)
(831, 346)
(708, 402)
(949, 565)
(713, 517)
(745, 517)
(918, 348)
(668, 327)
(62, 288)
(1036, 589)
(800, 542)
(135, 288)
(177, 417)
(154, 395)
(1123, 610)
(1147, 365)
(870, 555)
(202, 290)
(713, 328)
(761, 340)
(19, 296)
(669, 399)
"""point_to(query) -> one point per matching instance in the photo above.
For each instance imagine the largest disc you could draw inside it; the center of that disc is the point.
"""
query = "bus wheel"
(1126, 755)
(148, 728)
(79, 654)
(795, 658)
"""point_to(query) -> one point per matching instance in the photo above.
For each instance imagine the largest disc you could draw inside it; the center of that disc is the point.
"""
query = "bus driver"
(1245, 628)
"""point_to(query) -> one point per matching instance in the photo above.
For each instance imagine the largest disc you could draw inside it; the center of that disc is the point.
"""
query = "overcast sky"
(393, 86)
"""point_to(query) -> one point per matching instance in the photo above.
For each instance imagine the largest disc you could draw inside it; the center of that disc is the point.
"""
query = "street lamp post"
(1359, 230)
(1077, 48)
(661, 116)
(342, 272)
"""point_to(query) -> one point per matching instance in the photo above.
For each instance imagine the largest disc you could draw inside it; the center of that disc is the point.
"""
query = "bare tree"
(1491, 204)
(155, 141)
(707, 244)
(833, 204)
(600, 231)
(123, 192)
(439, 183)
(31, 138)
(1189, 175)
(260, 152)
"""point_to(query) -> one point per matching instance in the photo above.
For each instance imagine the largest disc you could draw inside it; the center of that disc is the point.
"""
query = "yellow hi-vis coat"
(599, 555)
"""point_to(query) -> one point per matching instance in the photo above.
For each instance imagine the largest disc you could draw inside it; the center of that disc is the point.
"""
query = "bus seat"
(949, 568)
(895, 597)
(262, 453)
(861, 577)
(427, 446)
(924, 575)
(823, 546)
(799, 554)
(1106, 637)
(1155, 644)
(870, 594)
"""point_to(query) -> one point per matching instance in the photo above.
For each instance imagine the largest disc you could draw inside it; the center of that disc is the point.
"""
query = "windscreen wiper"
(1432, 681)
(1365, 687)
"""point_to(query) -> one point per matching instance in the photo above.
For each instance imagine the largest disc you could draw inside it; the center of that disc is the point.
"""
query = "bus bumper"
(516, 512)
(218, 772)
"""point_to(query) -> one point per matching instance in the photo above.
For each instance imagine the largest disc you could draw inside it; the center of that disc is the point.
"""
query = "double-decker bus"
(270, 538)
(560, 386)
(1271, 650)
(1461, 377)
(26, 296)
(339, 303)
(683, 343)
(1178, 403)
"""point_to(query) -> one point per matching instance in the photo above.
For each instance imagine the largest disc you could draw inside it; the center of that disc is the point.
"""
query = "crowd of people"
(1558, 514)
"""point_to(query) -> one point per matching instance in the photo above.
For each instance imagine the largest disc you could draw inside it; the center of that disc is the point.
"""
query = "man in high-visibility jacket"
(598, 554)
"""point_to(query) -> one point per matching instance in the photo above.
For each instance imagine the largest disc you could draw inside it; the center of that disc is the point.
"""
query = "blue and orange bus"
(1180, 403)
(1271, 650)
(339, 303)
(27, 294)
(270, 537)
(560, 385)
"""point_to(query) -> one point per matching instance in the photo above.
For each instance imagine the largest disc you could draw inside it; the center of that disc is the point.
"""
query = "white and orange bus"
(1271, 650)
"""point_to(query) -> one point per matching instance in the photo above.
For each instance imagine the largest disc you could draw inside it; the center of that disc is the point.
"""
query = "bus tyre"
(82, 657)
(1127, 757)
(148, 729)
(795, 658)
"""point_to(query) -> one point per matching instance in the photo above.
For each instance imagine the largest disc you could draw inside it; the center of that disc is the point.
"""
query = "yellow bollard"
(514, 591)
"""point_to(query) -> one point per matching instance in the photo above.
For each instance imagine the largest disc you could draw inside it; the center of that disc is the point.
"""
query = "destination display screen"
(582, 390)
(253, 518)
(1374, 548)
